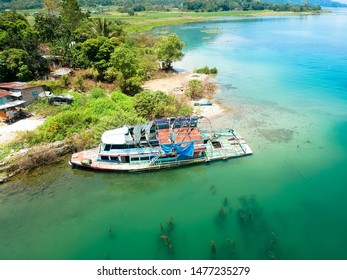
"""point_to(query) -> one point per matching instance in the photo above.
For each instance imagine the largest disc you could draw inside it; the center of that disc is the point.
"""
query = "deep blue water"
(284, 79)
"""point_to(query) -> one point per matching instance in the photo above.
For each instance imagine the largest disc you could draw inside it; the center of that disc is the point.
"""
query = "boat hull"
(222, 146)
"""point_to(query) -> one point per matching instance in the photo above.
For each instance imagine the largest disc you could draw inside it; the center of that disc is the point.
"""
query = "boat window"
(123, 146)
(104, 158)
(135, 159)
(125, 159)
(144, 158)
(114, 147)
(107, 147)
(114, 158)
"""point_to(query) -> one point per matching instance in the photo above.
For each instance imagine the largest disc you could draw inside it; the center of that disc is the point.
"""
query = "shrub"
(122, 101)
(149, 104)
(64, 81)
(79, 83)
(195, 89)
(97, 92)
(206, 70)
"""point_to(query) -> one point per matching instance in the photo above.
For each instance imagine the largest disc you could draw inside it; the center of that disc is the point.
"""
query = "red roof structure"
(4, 93)
(184, 134)
(15, 85)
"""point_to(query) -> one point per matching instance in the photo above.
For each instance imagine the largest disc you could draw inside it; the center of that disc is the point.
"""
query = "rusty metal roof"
(15, 85)
(12, 104)
(4, 93)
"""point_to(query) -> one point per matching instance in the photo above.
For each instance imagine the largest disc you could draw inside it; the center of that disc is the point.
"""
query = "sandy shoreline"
(177, 83)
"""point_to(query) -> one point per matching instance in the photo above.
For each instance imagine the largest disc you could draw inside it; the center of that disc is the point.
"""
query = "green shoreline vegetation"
(146, 21)
(111, 59)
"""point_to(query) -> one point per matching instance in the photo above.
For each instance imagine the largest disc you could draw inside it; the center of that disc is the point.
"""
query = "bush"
(60, 126)
(150, 105)
(97, 92)
(122, 101)
(64, 79)
(79, 83)
(100, 106)
(206, 70)
(54, 86)
(195, 89)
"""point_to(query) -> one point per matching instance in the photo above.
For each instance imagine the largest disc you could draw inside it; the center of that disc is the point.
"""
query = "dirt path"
(8, 132)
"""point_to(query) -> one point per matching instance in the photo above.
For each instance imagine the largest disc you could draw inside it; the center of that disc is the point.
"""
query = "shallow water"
(284, 79)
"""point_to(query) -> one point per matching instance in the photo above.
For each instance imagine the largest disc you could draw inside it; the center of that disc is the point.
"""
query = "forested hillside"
(323, 3)
(165, 5)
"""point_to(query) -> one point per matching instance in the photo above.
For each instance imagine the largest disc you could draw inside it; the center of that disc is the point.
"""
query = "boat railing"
(153, 160)
(177, 162)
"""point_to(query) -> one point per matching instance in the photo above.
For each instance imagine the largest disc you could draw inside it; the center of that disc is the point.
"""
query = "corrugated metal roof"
(4, 93)
(15, 85)
(12, 104)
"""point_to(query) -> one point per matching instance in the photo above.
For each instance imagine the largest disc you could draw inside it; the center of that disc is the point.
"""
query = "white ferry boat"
(162, 143)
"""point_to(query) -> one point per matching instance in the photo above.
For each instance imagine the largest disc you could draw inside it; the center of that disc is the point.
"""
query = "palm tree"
(102, 27)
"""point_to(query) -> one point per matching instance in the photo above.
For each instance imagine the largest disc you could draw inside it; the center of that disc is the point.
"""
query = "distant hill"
(36, 4)
(20, 4)
(322, 3)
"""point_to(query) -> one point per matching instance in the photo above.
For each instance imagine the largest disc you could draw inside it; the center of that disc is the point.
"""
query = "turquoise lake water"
(285, 81)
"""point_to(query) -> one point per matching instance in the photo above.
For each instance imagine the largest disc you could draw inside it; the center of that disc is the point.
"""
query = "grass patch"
(144, 21)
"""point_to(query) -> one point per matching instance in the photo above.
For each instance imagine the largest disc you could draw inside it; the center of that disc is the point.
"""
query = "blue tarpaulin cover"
(182, 151)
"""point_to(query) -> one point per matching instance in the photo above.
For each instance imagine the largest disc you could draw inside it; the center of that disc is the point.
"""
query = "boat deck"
(184, 134)
(228, 149)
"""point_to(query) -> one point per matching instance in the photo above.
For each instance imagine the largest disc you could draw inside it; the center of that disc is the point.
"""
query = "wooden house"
(22, 91)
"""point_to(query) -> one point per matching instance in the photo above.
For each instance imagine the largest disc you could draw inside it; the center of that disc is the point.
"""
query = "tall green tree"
(50, 28)
(15, 65)
(19, 48)
(169, 50)
(105, 28)
(129, 71)
(51, 6)
(71, 14)
(16, 32)
(94, 53)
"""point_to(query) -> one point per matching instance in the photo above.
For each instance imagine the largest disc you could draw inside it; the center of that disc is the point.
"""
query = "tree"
(105, 28)
(16, 32)
(50, 28)
(18, 47)
(14, 65)
(169, 50)
(71, 14)
(51, 6)
(130, 72)
(156, 104)
(151, 104)
(94, 53)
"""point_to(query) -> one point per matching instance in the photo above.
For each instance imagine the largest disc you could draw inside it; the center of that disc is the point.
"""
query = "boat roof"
(115, 136)
(169, 130)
